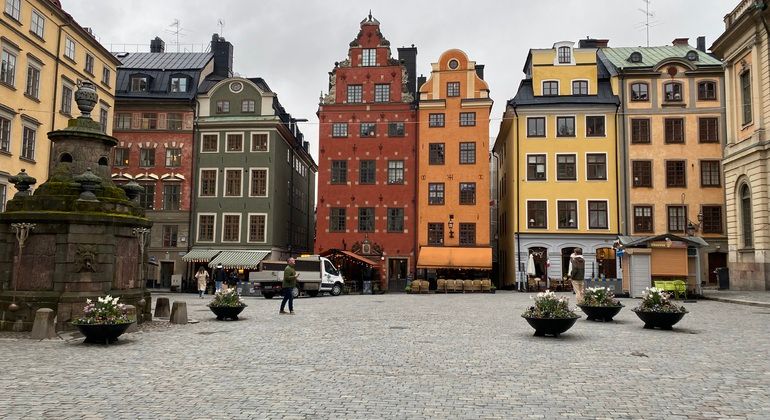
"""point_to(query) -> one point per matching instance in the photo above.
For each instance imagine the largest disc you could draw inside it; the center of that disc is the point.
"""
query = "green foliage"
(228, 298)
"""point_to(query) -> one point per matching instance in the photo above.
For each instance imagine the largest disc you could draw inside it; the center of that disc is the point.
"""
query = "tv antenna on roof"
(647, 15)
(221, 24)
(177, 31)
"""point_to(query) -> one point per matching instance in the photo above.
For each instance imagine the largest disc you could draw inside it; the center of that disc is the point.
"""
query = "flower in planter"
(656, 300)
(599, 296)
(227, 298)
(548, 305)
(106, 310)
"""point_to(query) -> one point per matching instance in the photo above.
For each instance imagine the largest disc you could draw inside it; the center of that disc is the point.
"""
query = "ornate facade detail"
(85, 258)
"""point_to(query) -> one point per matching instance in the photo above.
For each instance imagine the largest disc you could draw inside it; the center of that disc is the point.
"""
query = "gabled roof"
(164, 61)
(526, 96)
(652, 56)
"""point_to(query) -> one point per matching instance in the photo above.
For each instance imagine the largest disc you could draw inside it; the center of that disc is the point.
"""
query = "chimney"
(701, 43)
(223, 56)
(306, 145)
(408, 57)
(157, 45)
(681, 42)
(480, 71)
(593, 43)
(421, 81)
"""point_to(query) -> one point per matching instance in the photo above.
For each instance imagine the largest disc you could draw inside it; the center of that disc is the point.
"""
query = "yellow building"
(453, 167)
(557, 175)
(44, 53)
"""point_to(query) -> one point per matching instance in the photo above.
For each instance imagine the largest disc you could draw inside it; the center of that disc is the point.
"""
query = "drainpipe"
(623, 174)
(518, 209)
(55, 90)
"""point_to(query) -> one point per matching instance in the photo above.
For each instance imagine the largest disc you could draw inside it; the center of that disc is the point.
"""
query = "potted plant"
(103, 321)
(550, 315)
(227, 304)
(657, 311)
(599, 304)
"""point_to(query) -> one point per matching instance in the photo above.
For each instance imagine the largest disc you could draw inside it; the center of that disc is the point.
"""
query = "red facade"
(367, 158)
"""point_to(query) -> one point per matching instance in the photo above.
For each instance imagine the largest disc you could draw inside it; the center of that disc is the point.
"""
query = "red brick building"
(367, 160)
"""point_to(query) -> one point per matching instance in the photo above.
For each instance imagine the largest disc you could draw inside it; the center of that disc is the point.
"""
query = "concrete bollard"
(131, 313)
(43, 326)
(162, 307)
(179, 313)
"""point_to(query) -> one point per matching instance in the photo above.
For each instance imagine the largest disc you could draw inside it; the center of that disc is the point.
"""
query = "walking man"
(219, 277)
(289, 283)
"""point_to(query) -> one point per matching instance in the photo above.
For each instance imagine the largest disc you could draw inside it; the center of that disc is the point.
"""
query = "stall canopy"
(200, 255)
(350, 256)
(239, 259)
(455, 257)
(644, 241)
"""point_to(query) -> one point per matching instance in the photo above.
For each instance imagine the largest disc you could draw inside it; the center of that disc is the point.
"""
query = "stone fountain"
(78, 236)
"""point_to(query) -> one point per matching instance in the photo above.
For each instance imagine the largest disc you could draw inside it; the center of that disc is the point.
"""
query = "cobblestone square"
(398, 356)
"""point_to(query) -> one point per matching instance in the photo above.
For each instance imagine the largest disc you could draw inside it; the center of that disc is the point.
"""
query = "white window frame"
(3, 195)
(70, 49)
(209, 133)
(92, 61)
(248, 237)
(588, 215)
(547, 215)
(577, 210)
(243, 141)
(585, 126)
(33, 64)
(606, 166)
(13, 8)
(542, 87)
(198, 229)
(240, 225)
(251, 142)
(571, 46)
(369, 57)
(34, 27)
(182, 81)
(572, 86)
(224, 182)
(200, 182)
(556, 126)
(69, 98)
(106, 75)
(9, 119)
(267, 181)
(526, 166)
(10, 52)
(34, 129)
(556, 166)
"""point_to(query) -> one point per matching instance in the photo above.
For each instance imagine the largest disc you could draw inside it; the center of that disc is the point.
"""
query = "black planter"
(662, 320)
(600, 313)
(102, 333)
(550, 326)
(227, 312)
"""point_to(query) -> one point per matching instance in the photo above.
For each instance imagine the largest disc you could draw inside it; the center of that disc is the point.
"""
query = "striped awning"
(200, 255)
(239, 259)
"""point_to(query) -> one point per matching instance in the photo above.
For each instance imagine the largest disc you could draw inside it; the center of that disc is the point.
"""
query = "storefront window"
(605, 260)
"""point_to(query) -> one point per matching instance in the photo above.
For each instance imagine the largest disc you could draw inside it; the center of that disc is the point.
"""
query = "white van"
(316, 275)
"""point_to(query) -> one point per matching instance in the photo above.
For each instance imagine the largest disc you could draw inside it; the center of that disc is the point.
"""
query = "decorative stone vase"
(227, 312)
(102, 333)
(600, 313)
(22, 181)
(662, 320)
(88, 183)
(550, 326)
(86, 98)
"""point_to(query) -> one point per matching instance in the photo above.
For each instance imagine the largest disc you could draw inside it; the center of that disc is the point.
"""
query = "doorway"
(605, 259)
(398, 270)
(166, 270)
(565, 258)
(715, 260)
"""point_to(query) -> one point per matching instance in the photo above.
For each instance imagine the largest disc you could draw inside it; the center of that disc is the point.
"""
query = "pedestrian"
(202, 276)
(219, 277)
(232, 281)
(289, 283)
(577, 273)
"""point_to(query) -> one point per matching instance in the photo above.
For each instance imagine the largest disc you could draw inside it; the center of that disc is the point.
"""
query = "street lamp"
(692, 228)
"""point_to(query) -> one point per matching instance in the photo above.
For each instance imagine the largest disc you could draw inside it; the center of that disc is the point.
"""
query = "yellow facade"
(44, 55)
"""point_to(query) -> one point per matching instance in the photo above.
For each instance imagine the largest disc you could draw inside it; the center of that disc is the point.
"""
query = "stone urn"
(662, 320)
(86, 98)
(102, 333)
(600, 313)
(550, 326)
(227, 312)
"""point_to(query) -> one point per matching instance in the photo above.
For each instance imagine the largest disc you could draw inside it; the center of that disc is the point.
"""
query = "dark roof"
(525, 96)
(160, 67)
(164, 61)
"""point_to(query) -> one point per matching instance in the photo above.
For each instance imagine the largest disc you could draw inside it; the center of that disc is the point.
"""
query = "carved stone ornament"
(85, 258)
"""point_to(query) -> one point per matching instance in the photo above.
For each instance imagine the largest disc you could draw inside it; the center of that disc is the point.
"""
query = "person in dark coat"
(219, 277)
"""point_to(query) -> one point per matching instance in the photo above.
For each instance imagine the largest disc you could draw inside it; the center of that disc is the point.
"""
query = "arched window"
(65, 157)
(564, 55)
(746, 222)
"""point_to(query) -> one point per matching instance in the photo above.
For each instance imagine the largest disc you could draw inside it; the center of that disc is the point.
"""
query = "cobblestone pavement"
(754, 298)
(399, 356)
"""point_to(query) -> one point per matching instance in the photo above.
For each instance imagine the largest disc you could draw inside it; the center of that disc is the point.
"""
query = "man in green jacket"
(289, 283)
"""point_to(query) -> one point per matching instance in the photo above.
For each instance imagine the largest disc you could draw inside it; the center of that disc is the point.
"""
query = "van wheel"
(312, 293)
(295, 292)
(268, 295)
(336, 289)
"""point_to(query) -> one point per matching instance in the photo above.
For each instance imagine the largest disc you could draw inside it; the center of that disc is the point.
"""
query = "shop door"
(716, 260)
(166, 270)
(397, 272)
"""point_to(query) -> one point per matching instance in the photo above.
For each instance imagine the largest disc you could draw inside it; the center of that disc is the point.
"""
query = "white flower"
(88, 301)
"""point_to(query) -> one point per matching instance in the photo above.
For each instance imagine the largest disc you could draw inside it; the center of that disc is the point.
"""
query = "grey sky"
(293, 44)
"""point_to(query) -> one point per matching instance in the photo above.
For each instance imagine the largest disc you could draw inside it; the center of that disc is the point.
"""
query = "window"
(8, 68)
(106, 76)
(467, 193)
(355, 93)
(170, 233)
(69, 48)
(467, 153)
(174, 121)
(13, 8)
(536, 168)
(223, 107)
(121, 157)
(710, 173)
(37, 25)
(89, 64)
(435, 233)
(139, 84)
(395, 219)
(367, 172)
(567, 213)
(206, 227)
(564, 55)
(369, 57)
(746, 99)
(537, 214)
(580, 87)
(639, 92)
(640, 131)
(453, 89)
(395, 172)
(367, 129)
(146, 157)
(536, 127)
(595, 126)
(340, 130)
(677, 218)
(3, 196)
(675, 174)
(708, 130)
(66, 100)
(597, 215)
(467, 234)
(566, 167)
(467, 119)
(382, 92)
(366, 219)
(231, 231)
(641, 171)
(550, 88)
(123, 121)
(596, 166)
(33, 81)
(746, 217)
(257, 228)
(643, 219)
(104, 117)
(396, 129)
(672, 92)
(147, 197)
(28, 143)
(435, 120)
(248, 105)
(233, 184)
(258, 183)
(674, 130)
(178, 84)
(208, 186)
(210, 143)
(712, 219)
(565, 126)
(172, 196)
(235, 142)
(5, 135)
(707, 91)
(339, 172)
(149, 121)
(259, 142)
(436, 193)
(337, 219)
(436, 153)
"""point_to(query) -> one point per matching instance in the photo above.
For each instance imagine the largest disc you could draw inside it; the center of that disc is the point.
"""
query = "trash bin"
(723, 277)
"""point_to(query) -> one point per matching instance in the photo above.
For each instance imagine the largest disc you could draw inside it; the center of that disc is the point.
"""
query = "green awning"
(239, 259)
(200, 255)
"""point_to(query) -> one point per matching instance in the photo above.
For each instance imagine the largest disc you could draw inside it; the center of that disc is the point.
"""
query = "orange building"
(453, 169)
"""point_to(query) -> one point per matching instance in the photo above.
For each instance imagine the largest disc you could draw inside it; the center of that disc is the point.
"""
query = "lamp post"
(22, 232)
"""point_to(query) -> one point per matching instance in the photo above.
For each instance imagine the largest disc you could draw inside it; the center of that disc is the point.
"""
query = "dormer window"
(551, 88)
(369, 57)
(692, 55)
(140, 84)
(178, 84)
(565, 55)
(673, 92)
(636, 57)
